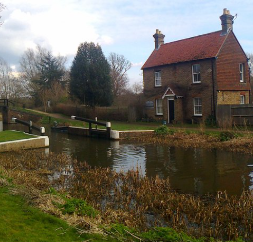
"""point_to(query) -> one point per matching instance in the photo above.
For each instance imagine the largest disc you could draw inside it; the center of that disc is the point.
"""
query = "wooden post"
(90, 128)
(96, 119)
(5, 112)
(1, 122)
(108, 128)
(30, 127)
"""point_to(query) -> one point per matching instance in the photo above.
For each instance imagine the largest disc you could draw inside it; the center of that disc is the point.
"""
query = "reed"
(131, 198)
(225, 140)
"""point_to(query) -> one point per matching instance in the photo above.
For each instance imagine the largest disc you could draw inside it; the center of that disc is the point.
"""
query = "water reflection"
(189, 170)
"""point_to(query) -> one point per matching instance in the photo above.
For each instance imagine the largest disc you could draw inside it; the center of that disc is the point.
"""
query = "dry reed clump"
(143, 202)
(194, 140)
(33, 173)
(129, 198)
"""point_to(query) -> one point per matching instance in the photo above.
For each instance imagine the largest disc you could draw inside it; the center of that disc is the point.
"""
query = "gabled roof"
(195, 48)
(172, 90)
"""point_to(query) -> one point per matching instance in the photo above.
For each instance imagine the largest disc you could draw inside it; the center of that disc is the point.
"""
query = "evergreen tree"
(50, 70)
(43, 72)
(90, 80)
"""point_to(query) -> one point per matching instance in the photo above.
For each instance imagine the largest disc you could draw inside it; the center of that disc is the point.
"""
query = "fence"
(228, 115)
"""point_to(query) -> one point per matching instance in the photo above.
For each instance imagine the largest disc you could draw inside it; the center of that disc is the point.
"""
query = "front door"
(171, 108)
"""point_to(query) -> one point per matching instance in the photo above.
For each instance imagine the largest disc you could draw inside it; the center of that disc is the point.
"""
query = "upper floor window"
(197, 103)
(241, 69)
(196, 73)
(159, 107)
(242, 99)
(158, 80)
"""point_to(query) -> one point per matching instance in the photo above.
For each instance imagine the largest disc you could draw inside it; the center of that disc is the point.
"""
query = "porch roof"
(172, 91)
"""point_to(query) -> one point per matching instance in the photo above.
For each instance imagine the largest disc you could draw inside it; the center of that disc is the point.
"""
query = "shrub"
(210, 121)
(78, 206)
(227, 135)
(163, 130)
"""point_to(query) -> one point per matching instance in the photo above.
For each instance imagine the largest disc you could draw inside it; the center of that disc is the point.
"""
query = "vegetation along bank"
(231, 140)
(144, 209)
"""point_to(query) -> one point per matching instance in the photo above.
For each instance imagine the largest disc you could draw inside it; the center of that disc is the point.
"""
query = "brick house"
(185, 80)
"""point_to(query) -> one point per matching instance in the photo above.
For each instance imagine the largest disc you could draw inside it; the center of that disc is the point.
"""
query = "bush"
(78, 206)
(227, 135)
(210, 121)
(163, 130)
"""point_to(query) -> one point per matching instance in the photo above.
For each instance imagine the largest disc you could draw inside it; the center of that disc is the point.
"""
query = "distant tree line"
(92, 80)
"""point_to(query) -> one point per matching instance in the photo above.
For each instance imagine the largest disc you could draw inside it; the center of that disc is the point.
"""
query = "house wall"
(179, 78)
(228, 74)
(231, 97)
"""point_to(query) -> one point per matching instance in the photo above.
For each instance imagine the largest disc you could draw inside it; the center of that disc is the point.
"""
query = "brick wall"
(179, 78)
(231, 97)
(229, 58)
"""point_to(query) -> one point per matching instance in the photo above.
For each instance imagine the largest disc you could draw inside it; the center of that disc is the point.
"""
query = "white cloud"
(139, 64)
(121, 26)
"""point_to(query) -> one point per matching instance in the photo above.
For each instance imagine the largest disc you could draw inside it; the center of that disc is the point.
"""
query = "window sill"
(196, 83)
(158, 86)
(159, 114)
(197, 115)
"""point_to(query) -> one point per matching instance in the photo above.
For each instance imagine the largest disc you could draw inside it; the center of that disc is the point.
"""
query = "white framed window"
(196, 73)
(158, 80)
(242, 99)
(159, 106)
(197, 104)
(241, 69)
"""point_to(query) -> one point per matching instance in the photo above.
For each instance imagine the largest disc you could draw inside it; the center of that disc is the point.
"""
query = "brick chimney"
(159, 39)
(226, 21)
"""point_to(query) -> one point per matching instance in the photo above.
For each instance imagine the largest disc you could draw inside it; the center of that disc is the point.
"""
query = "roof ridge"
(192, 37)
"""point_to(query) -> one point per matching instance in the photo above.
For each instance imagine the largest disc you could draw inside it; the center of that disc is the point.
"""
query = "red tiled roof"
(195, 48)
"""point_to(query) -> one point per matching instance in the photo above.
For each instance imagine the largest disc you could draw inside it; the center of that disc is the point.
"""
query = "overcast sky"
(120, 26)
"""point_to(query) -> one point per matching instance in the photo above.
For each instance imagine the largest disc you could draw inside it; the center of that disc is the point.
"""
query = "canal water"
(197, 171)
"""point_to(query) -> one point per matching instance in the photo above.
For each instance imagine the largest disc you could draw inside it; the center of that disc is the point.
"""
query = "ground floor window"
(159, 107)
(242, 99)
(197, 103)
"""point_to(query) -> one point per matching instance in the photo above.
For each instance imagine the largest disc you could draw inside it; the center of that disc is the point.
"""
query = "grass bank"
(186, 136)
(47, 118)
(10, 135)
(21, 222)
(234, 141)
(94, 199)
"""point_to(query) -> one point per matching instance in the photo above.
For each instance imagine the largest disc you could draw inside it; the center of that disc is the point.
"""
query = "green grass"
(23, 223)
(10, 135)
(124, 126)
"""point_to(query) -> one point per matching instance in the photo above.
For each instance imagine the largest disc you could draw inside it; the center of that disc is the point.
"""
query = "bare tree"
(137, 88)
(11, 86)
(42, 71)
(5, 79)
(250, 56)
(2, 7)
(119, 66)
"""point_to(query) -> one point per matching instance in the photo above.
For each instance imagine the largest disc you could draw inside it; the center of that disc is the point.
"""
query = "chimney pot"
(159, 38)
(226, 21)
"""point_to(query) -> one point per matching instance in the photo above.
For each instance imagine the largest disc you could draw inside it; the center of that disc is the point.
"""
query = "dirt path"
(53, 115)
